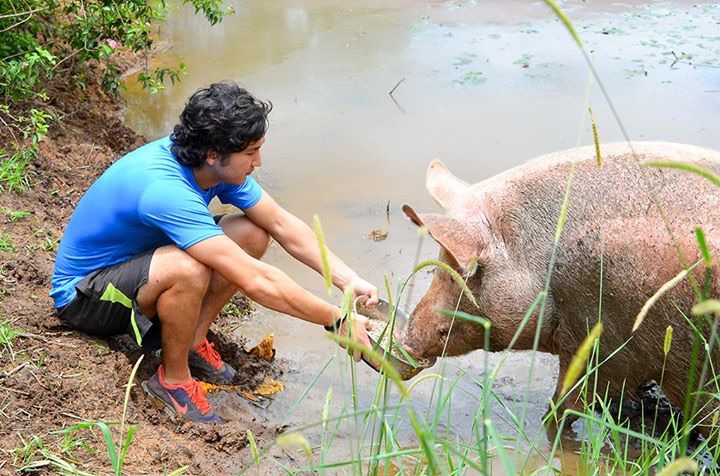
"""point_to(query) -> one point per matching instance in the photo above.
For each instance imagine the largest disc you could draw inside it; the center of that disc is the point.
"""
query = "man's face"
(238, 165)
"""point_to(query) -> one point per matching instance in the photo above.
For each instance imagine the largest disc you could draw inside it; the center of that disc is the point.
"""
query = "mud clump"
(251, 370)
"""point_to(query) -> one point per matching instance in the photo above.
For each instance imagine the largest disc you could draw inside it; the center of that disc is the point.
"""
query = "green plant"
(49, 244)
(40, 39)
(38, 36)
(31, 128)
(70, 443)
(117, 456)
(6, 243)
(33, 456)
(17, 215)
(155, 81)
(12, 169)
(8, 333)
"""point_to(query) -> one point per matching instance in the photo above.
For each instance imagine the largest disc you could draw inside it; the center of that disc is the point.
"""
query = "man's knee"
(172, 266)
(250, 237)
(172, 269)
(189, 269)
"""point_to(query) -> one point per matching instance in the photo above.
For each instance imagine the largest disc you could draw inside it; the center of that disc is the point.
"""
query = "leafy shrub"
(37, 37)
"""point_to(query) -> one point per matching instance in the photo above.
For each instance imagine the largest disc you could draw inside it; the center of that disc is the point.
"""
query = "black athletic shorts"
(106, 303)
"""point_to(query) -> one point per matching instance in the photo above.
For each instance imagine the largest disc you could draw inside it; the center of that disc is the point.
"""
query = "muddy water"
(483, 85)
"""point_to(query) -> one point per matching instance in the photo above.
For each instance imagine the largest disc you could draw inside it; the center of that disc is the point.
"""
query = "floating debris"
(377, 235)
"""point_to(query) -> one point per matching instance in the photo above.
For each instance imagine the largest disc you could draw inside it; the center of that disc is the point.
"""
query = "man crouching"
(143, 255)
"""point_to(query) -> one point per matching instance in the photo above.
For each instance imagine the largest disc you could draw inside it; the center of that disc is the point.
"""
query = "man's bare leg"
(177, 284)
(251, 238)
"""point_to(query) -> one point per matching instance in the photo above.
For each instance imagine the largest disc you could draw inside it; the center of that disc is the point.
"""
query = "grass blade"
(502, 453)
(702, 244)
(466, 317)
(107, 434)
(453, 274)
(253, 447)
(596, 138)
(666, 164)
(126, 446)
(578, 362)
(178, 471)
(323, 253)
(566, 21)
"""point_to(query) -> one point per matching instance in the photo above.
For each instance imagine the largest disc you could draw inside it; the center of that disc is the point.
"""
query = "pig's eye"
(443, 331)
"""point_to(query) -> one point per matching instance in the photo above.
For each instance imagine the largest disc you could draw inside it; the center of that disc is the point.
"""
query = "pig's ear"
(451, 234)
(443, 186)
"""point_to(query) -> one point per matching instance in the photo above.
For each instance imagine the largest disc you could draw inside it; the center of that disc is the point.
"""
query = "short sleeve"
(242, 196)
(179, 212)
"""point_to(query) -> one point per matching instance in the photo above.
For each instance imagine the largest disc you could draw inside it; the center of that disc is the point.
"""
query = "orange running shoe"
(206, 364)
(185, 400)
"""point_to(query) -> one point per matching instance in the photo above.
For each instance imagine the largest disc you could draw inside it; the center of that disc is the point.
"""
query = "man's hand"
(364, 288)
(355, 327)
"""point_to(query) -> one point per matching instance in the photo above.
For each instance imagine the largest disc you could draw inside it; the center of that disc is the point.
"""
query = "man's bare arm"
(261, 282)
(298, 239)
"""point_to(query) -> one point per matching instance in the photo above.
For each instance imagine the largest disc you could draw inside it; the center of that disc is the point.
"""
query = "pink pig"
(629, 230)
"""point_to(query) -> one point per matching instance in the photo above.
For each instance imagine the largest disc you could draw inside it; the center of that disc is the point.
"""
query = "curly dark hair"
(223, 118)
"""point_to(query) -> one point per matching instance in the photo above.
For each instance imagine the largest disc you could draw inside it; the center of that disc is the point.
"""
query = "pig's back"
(632, 225)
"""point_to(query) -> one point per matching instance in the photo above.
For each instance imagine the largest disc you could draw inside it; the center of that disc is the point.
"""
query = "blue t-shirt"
(143, 201)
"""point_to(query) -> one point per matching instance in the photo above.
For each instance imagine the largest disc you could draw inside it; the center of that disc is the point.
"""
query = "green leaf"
(125, 447)
(107, 434)
(493, 436)
(702, 244)
(466, 317)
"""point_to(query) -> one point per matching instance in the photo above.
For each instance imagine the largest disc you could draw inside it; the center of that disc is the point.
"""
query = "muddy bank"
(53, 378)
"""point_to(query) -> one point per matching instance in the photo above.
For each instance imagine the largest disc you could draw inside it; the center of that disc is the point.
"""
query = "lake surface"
(482, 85)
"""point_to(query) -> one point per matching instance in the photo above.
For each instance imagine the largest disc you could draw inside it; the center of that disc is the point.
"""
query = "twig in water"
(676, 59)
(396, 86)
(400, 108)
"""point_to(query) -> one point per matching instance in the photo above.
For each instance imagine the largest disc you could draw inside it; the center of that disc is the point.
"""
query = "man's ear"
(211, 157)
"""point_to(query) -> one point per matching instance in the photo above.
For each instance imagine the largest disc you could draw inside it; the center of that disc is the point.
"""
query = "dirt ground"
(52, 378)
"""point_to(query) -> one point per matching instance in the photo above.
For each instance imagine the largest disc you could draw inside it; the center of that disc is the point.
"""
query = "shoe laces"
(197, 396)
(192, 388)
(207, 351)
